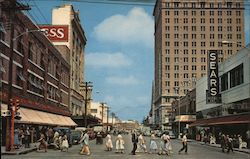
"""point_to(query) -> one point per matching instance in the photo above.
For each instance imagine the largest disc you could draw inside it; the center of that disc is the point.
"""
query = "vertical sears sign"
(213, 95)
(56, 33)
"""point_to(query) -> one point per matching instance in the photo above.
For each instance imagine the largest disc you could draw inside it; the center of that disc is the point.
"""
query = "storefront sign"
(213, 95)
(56, 33)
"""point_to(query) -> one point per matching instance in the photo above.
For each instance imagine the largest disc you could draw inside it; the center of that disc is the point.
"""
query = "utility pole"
(11, 7)
(87, 89)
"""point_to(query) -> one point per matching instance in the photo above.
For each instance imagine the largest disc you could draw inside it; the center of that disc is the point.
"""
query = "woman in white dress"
(153, 145)
(119, 144)
(65, 143)
(109, 143)
(142, 143)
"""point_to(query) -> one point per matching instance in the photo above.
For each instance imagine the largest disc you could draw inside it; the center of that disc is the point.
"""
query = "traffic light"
(12, 102)
(17, 107)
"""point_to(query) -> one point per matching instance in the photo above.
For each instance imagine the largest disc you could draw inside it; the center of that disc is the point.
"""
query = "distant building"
(184, 31)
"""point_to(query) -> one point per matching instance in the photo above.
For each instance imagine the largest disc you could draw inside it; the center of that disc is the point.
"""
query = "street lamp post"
(179, 124)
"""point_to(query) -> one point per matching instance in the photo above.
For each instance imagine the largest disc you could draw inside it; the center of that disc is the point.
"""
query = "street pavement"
(195, 151)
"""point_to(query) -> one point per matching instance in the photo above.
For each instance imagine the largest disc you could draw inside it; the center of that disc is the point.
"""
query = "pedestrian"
(43, 142)
(56, 141)
(162, 144)
(16, 140)
(85, 142)
(184, 143)
(229, 144)
(168, 145)
(50, 135)
(240, 141)
(153, 146)
(119, 144)
(134, 141)
(27, 137)
(21, 136)
(142, 143)
(65, 143)
(248, 138)
(109, 144)
(32, 135)
(223, 142)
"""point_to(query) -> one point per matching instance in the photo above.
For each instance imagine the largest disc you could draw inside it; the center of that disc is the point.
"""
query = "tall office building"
(184, 31)
(66, 15)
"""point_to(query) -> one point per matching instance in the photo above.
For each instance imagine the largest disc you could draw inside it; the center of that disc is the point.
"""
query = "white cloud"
(110, 60)
(137, 27)
(131, 80)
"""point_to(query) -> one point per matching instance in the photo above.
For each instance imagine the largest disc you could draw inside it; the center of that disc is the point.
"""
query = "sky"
(119, 52)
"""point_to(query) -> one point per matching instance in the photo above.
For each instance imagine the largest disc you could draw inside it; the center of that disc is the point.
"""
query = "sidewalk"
(218, 146)
(33, 147)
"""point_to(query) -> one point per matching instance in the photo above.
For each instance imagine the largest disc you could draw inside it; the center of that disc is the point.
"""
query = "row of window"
(185, 67)
(228, 4)
(203, 13)
(203, 20)
(204, 28)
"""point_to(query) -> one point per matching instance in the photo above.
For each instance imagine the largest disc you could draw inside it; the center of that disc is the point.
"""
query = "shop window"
(236, 76)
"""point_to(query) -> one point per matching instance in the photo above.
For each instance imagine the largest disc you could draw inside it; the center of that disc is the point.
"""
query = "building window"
(185, 13)
(167, 28)
(185, 28)
(203, 28)
(220, 36)
(176, 83)
(193, 5)
(203, 20)
(219, 13)
(238, 21)
(193, 43)
(176, 75)
(185, 52)
(176, 28)
(176, 13)
(176, 67)
(167, 59)
(203, 68)
(211, 20)
(185, 59)
(167, 20)
(185, 67)
(238, 28)
(185, 43)
(236, 76)
(193, 59)
(167, 12)
(167, 36)
(176, 36)
(193, 28)
(203, 44)
(238, 36)
(176, 20)
(176, 59)
(211, 28)
(185, 36)
(229, 28)
(224, 82)
(203, 36)
(193, 36)
(167, 83)
(229, 13)
(193, 67)
(193, 13)
(238, 13)
(176, 43)
(186, 75)
(185, 20)
(167, 67)
(193, 52)
(167, 43)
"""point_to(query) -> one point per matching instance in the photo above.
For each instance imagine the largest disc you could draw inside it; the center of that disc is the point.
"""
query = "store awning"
(234, 119)
(29, 116)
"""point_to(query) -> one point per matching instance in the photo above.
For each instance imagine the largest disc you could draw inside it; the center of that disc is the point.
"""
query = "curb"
(19, 152)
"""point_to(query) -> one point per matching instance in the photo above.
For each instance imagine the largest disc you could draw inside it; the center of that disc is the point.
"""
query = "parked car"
(65, 130)
(76, 136)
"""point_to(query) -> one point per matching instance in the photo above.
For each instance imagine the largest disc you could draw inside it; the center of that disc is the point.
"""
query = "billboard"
(213, 95)
(56, 33)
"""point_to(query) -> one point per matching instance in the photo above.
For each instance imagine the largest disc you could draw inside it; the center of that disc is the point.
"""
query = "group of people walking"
(139, 144)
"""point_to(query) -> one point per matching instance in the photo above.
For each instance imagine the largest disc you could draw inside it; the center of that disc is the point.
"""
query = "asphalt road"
(195, 151)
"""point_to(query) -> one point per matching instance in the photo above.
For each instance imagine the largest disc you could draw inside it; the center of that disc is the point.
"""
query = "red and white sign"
(56, 33)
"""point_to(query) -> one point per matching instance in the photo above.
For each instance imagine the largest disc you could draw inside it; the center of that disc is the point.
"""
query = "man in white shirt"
(184, 143)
